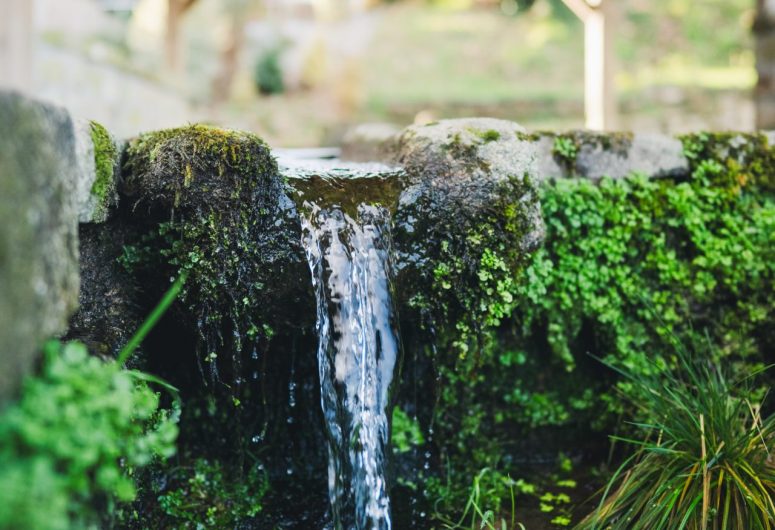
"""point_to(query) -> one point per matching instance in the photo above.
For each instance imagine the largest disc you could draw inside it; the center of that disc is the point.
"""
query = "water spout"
(358, 350)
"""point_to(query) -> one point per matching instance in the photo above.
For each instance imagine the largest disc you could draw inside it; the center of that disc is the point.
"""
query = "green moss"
(210, 198)
(528, 137)
(739, 160)
(105, 157)
(565, 151)
(487, 136)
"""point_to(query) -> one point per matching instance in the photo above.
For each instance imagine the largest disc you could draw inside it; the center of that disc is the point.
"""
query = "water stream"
(348, 248)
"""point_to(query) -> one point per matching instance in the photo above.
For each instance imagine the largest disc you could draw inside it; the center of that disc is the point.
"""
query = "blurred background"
(300, 72)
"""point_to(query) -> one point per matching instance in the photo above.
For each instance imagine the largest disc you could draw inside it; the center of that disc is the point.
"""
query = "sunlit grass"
(704, 461)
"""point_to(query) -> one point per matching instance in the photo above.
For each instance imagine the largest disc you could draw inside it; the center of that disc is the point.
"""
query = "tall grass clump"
(483, 509)
(704, 461)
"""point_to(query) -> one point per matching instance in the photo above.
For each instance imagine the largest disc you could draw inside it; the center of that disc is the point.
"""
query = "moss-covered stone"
(596, 155)
(743, 159)
(106, 154)
(213, 203)
(97, 164)
(466, 219)
(567, 145)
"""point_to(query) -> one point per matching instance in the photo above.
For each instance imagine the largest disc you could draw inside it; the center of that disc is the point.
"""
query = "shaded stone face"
(108, 312)
(38, 240)
(211, 202)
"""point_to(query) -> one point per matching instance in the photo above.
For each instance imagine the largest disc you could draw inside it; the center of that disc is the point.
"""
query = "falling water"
(349, 256)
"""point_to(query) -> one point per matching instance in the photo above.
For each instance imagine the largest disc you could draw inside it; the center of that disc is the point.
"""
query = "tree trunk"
(764, 94)
(172, 50)
(16, 44)
(229, 62)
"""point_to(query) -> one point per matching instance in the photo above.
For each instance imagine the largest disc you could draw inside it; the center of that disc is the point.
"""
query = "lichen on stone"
(489, 135)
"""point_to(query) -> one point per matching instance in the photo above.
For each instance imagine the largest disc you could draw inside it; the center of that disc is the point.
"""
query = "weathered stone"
(651, 154)
(38, 240)
(97, 155)
(467, 218)
(459, 165)
(615, 155)
(549, 166)
(368, 142)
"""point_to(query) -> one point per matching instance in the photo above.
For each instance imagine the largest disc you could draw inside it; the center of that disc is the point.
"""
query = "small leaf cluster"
(624, 257)
(405, 432)
(207, 497)
(74, 439)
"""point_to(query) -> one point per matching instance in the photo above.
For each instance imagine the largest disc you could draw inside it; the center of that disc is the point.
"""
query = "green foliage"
(207, 498)
(565, 149)
(268, 74)
(624, 255)
(702, 460)
(406, 432)
(621, 258)
(74, 439)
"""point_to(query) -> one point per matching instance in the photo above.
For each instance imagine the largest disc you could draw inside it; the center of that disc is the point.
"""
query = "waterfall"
(349, 257)
(346, 235)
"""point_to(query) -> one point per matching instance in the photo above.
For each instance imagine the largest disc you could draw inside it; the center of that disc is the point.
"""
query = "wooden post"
(16, 44)
(599, 93)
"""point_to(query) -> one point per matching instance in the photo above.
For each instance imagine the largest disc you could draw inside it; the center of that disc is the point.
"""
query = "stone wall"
(56, 173)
